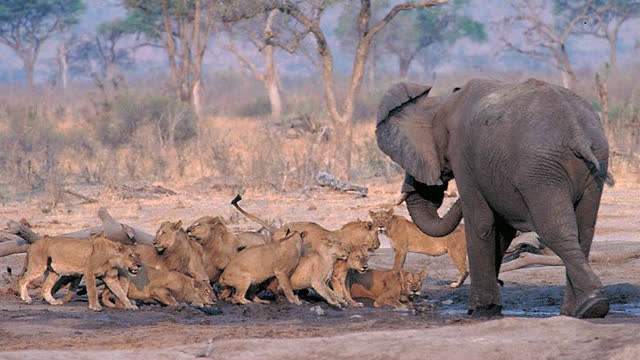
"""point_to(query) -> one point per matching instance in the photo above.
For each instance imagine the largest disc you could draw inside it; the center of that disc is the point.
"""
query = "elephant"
(528, 156)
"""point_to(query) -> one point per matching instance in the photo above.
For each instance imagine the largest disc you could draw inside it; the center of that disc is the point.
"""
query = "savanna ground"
(438, 327)
(95, 143)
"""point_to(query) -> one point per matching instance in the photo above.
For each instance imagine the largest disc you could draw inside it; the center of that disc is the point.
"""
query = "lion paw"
(455, 285)
(55, 302)
(95, 307)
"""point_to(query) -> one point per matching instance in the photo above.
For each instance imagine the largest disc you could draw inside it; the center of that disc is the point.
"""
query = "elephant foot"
(486, 312)
(594, 306)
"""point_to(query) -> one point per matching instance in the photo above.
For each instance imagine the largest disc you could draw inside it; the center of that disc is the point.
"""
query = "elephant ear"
(406, 135)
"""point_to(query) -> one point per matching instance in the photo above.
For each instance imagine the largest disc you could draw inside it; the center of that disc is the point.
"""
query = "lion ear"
(372, 213)
(178, 225)
(369, 225)
(390, 211)
(423, 274)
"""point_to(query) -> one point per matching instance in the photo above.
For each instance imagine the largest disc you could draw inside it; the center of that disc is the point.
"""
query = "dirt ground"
(437, 328)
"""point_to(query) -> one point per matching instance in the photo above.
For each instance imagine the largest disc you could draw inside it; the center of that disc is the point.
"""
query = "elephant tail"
(582, 149)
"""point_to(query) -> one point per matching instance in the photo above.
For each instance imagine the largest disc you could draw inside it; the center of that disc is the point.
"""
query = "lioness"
(406, 237)
(257, 264)
(167, 287)
(357, 260)
(219, 244)
(96, 257)
(385, 287)
(178, 252)
(355, 234)
(315, 270)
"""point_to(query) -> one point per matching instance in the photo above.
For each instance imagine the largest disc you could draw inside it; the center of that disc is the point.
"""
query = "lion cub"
(96, 257)
(259, 263)
(407, 237)
(357, 260)
(166, 287)
(385, 287)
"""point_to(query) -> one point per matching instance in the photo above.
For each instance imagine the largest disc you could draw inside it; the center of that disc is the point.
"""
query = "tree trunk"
(403, 67)
(272, 82)
(196, 98)
(29, 68)
(568, 75)
(63, 66)
(613, 46)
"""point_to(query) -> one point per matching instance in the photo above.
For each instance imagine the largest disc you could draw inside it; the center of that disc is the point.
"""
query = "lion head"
(206, 228)
(362, 233)
(381, 219)
(412, 283)
(358, 259)
(118, 255)
(166, 235)
(336, 247)
(204, 292)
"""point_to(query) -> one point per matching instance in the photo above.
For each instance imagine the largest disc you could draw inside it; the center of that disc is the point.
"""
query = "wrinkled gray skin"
(529, 157)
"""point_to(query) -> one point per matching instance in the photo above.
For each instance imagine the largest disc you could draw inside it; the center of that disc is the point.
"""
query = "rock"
(447, 302)
(318, 310)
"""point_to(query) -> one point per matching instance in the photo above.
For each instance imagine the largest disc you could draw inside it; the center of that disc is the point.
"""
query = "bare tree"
(262, 42)
(606, 17)
(308, 15)
(25, 28)
(544, 34)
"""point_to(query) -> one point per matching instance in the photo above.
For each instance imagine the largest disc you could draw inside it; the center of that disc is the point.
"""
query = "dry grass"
(50, 139)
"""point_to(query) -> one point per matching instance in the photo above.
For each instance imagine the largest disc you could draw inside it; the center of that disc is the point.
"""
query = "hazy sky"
(585, 51)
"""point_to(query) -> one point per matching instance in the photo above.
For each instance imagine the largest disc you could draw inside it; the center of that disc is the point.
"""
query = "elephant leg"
(586, 214)
(480, 231)
(504, 235)
(555, 220)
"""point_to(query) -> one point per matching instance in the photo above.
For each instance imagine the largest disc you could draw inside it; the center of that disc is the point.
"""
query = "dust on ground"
(439, 328)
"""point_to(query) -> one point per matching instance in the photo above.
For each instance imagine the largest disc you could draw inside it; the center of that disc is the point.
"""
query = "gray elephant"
(526, 157)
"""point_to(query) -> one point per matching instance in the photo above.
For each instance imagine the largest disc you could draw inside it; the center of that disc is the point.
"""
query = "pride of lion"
(207, 262)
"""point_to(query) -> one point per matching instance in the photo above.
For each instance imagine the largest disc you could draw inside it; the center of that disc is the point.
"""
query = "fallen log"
(85, 199)
(114, 230)
(12, 244)
(18, 236)
(328, 180)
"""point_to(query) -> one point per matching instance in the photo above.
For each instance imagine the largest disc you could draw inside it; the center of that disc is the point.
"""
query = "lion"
(179, 253)
(355, 234)
(357, 260)
(219, 243)
(406, 237)
(386, 287)
(95, 257)
(257, 264)
(315, 269)
(166, 287)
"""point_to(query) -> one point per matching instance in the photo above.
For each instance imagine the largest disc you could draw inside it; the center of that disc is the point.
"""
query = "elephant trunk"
(424, 214)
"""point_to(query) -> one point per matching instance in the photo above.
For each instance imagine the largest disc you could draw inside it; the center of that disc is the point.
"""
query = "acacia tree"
(259, 31)
(183, 29)
(103, 55)
(545, 33)
(605, 18)
(308, 15)
(417, 31)
(26, 25)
